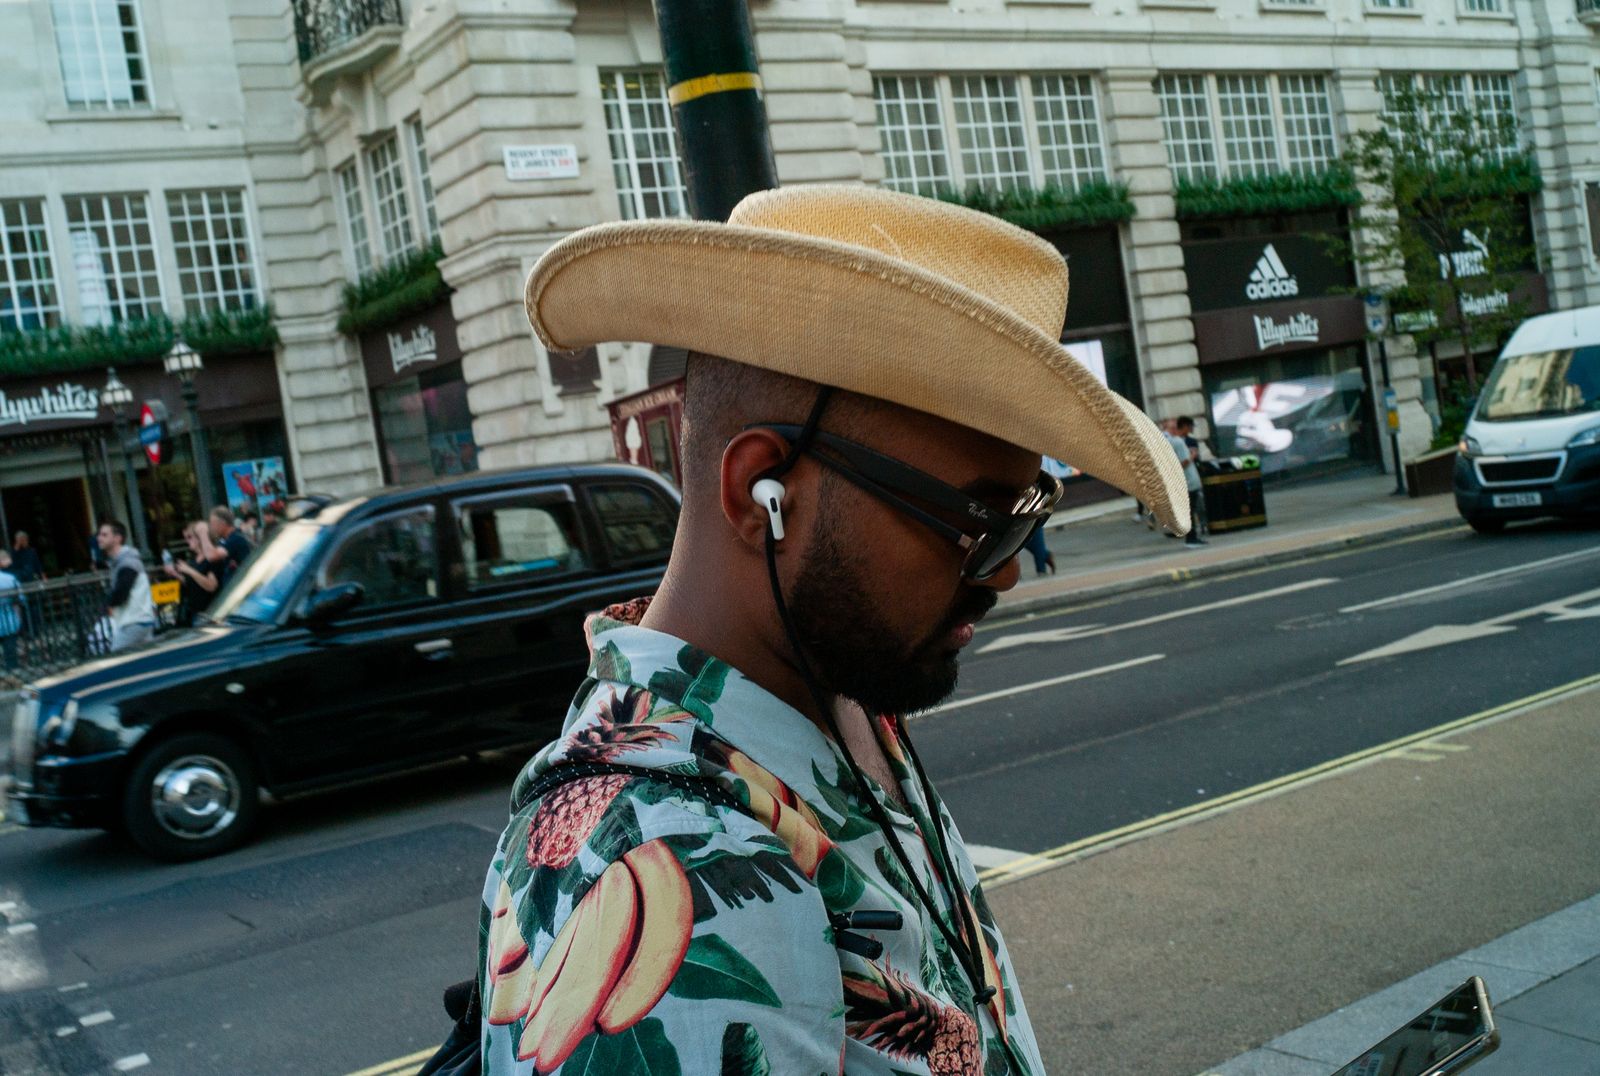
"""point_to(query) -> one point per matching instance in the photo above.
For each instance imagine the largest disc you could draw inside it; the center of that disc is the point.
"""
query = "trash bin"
(1232, 489)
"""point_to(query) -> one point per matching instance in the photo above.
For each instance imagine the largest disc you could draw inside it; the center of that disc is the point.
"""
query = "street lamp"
(119, 398)
(184, 361)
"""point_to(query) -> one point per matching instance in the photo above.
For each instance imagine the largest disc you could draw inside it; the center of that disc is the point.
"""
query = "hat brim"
(856, 319)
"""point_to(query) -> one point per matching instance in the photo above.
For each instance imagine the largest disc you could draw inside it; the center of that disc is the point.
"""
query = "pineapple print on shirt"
(628, 927)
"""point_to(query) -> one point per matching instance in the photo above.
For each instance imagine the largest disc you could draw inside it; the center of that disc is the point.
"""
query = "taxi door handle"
(433, 649)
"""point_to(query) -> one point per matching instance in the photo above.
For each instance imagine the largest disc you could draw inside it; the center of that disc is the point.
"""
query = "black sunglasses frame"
(994, 538)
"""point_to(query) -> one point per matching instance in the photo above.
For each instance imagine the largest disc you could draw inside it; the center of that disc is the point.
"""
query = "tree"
(1444, 225)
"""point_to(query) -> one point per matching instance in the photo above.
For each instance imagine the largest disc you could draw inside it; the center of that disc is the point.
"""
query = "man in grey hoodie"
(133, 614)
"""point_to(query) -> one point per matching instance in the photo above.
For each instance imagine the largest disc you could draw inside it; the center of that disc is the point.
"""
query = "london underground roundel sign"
(150, 434)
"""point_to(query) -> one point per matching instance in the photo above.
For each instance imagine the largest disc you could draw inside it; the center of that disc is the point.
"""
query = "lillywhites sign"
(1299, 329)
(1270, 279)
(67, 400)
(422, 346)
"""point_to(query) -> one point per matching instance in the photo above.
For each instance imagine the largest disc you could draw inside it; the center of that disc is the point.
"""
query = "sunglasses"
(990, 538)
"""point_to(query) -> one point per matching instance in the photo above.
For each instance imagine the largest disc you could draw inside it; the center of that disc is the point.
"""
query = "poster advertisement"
(1090, 353)
(255, 484)
(1290, 422)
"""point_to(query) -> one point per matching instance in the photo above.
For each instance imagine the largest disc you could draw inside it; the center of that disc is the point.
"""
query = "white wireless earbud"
(769, 494)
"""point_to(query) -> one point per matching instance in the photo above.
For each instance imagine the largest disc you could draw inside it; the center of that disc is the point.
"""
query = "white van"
(1532, 444)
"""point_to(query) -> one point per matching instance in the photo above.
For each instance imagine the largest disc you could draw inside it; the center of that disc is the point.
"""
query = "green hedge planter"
(1049, 207)
(407, 285)
(1260, 196)
(69, 348)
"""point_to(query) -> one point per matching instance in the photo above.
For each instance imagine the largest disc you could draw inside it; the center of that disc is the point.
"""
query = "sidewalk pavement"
(1366, 893)
(1100, 550)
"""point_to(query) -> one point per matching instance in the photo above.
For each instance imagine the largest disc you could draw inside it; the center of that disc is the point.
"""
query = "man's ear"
(749, 456)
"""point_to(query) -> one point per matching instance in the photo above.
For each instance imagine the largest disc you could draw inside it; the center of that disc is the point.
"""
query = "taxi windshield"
(264, 582)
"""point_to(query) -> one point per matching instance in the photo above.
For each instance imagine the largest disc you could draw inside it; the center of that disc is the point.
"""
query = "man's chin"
(907, 691)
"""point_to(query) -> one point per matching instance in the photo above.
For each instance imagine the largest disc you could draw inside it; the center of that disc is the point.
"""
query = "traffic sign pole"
(714, 85)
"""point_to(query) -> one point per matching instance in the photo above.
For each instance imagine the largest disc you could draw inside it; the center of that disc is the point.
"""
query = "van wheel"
(1486, 524)
(190, 797)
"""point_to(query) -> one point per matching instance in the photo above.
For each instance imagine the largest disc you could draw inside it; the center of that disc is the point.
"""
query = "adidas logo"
(1269, 279)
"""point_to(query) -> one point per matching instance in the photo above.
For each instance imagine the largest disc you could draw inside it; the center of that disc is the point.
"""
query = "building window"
(419, 161)
(989, 122)
(114, 256)
(211, 239)
(1391, 5)
(1482, 5)
(1489, 98)
(28, 296)
(644, 154)
(1070, 144)
(389, 197)
(355, 218)
(101, 47)
(1591, 202)
(911, 132)
(989, 129)
(1267, 124)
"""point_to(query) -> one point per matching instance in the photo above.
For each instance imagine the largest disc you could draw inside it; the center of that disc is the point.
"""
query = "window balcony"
(338, 38)
(1589, 12)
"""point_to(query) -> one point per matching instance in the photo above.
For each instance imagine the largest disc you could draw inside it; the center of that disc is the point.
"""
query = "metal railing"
(323, 25)
(59, 622)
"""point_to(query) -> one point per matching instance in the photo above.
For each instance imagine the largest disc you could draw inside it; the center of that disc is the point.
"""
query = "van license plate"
(1517, 500)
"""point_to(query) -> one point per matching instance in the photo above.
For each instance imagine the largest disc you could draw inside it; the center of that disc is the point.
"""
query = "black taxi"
(369, 635)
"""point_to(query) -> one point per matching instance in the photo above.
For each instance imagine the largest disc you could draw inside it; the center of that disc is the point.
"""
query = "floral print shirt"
(630, 927)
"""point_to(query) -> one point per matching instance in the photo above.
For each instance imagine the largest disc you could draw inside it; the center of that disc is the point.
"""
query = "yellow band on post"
(689, 89)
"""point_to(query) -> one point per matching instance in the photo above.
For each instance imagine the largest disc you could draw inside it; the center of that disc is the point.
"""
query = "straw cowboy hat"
(920, 302)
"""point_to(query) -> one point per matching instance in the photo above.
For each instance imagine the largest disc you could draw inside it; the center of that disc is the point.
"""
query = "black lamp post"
(185, 362)
(119, 398)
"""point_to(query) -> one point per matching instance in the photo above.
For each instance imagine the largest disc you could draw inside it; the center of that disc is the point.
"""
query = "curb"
(1181, 576)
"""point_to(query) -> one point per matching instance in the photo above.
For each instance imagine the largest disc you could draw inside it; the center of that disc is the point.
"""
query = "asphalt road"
(322, 947)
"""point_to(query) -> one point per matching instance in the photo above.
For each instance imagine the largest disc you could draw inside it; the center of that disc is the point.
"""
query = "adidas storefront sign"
(1269, 279)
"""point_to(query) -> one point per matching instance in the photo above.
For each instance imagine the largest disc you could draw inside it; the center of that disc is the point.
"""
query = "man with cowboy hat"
(732, 860)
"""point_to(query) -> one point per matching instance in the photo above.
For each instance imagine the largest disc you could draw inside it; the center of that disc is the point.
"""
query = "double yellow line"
(1026, 865)
(399, 1064)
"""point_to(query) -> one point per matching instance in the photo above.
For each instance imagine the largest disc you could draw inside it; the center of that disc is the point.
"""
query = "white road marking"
(1037, 684)
(985, 856)
(63, 1032)
(102, 1017)
(1085, 631)
(1469, 580)
(22, 928)
(131, 1062)
(70, 987)
(1572, 607)
(7, 907)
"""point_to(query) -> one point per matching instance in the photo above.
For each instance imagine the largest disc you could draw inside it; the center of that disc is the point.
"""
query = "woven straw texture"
(930, 305)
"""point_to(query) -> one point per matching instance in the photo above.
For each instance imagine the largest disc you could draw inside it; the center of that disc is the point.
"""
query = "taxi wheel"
(191, 796)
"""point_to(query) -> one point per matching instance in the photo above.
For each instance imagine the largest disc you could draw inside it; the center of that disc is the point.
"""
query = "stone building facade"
(353, 133)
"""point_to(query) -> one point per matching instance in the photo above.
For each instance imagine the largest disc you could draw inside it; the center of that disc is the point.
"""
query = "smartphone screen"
(1457, 1030)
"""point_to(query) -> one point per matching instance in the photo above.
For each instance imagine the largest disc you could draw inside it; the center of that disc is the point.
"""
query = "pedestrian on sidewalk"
(228, 545)
(821, 586)
(128, 603)
(1042, 557)
(1189, 459)
(10, 612)
(197, 577)
(25, 562)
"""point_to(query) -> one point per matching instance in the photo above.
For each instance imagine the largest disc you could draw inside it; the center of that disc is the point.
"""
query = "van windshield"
(1542, 384)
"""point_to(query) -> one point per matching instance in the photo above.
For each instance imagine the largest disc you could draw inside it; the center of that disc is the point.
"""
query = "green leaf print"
(889, 867)
(851, 823)
(696, 683)
(610, 664)
(995, 1061)
(840, 883)
(642, 1049)
(742, 1052)
(714, 969)
(736, 879)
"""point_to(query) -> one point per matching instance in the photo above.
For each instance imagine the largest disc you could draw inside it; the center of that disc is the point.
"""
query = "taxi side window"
(393, 559)
(512, 541)
(636, 523)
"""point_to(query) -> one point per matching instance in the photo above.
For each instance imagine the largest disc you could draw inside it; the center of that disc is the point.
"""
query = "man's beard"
(851, 646)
